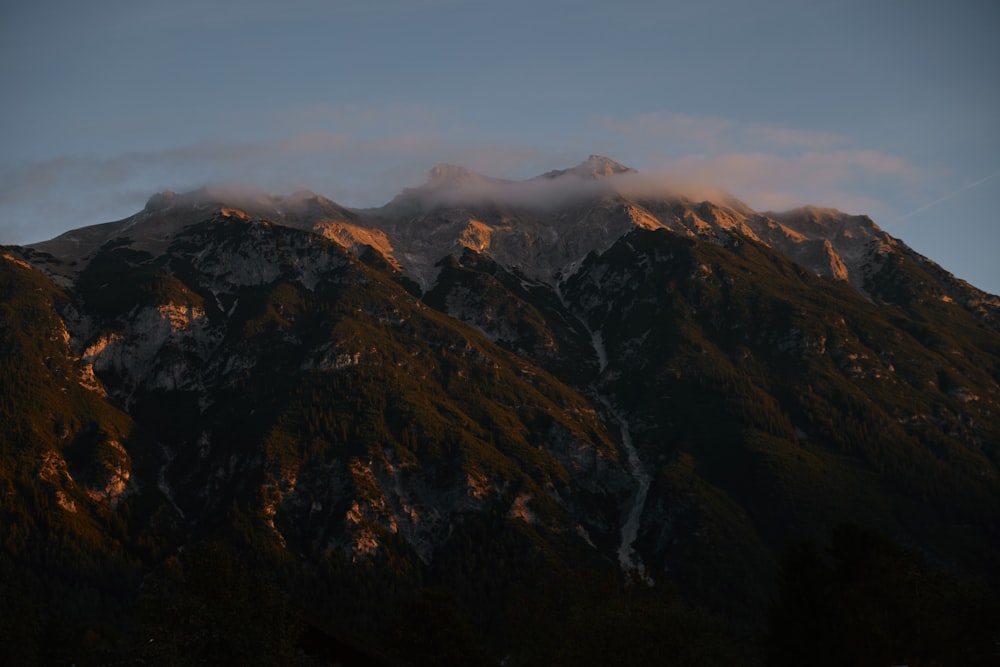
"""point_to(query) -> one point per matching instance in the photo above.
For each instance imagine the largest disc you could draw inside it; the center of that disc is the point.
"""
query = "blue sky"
(883, 107)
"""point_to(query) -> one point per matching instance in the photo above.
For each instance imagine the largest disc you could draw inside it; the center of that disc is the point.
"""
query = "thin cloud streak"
(715, 134)
(950, 195)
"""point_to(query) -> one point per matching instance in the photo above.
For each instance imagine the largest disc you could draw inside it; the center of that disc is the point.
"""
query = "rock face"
(574, 371)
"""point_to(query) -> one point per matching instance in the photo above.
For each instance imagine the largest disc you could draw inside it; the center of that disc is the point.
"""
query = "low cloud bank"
(41, 200)
(455, 186)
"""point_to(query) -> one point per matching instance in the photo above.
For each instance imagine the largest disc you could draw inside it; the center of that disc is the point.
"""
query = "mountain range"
(576, 419)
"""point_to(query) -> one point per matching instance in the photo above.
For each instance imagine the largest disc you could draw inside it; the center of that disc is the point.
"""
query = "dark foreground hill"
(563, 421)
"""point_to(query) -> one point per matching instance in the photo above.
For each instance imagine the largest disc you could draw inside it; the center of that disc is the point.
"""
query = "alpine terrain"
(572, 420)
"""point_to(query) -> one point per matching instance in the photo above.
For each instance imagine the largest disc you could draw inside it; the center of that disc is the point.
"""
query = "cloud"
(363, 157)
(684, 133)
(43, 199)
(365, 164)
(949, 195)
(844, 179)
(768, 166)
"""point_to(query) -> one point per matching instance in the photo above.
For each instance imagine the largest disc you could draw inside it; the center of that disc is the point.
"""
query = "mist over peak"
(451, 174)
(815, 214)
(594, 167)
(251, 200)
(208, 196)
(597, 176)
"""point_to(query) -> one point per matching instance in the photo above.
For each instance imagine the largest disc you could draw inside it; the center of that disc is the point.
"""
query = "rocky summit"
(576, 419)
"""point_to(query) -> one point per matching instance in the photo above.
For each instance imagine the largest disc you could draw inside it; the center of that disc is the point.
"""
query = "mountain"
(577, 419)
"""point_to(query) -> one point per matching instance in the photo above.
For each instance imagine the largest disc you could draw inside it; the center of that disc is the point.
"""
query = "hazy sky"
(884, 107)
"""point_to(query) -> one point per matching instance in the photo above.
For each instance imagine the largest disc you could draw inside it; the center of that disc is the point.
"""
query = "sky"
(888, 108)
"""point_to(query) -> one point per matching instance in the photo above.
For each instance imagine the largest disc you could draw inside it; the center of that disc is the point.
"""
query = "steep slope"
(242, 325)
(767, 403)
(878, 264)
(287, 380)
(774, 379)
(74, 472)
(166, 214)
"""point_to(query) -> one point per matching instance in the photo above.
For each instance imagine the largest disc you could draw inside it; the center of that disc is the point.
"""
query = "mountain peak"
(451, 174)
(593, 168)
(208, 197)
(598, 166)
(160, 201)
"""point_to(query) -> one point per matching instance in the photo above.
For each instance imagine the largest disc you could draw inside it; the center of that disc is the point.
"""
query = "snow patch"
(627, 555)
(161, 480)
(519, 509)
